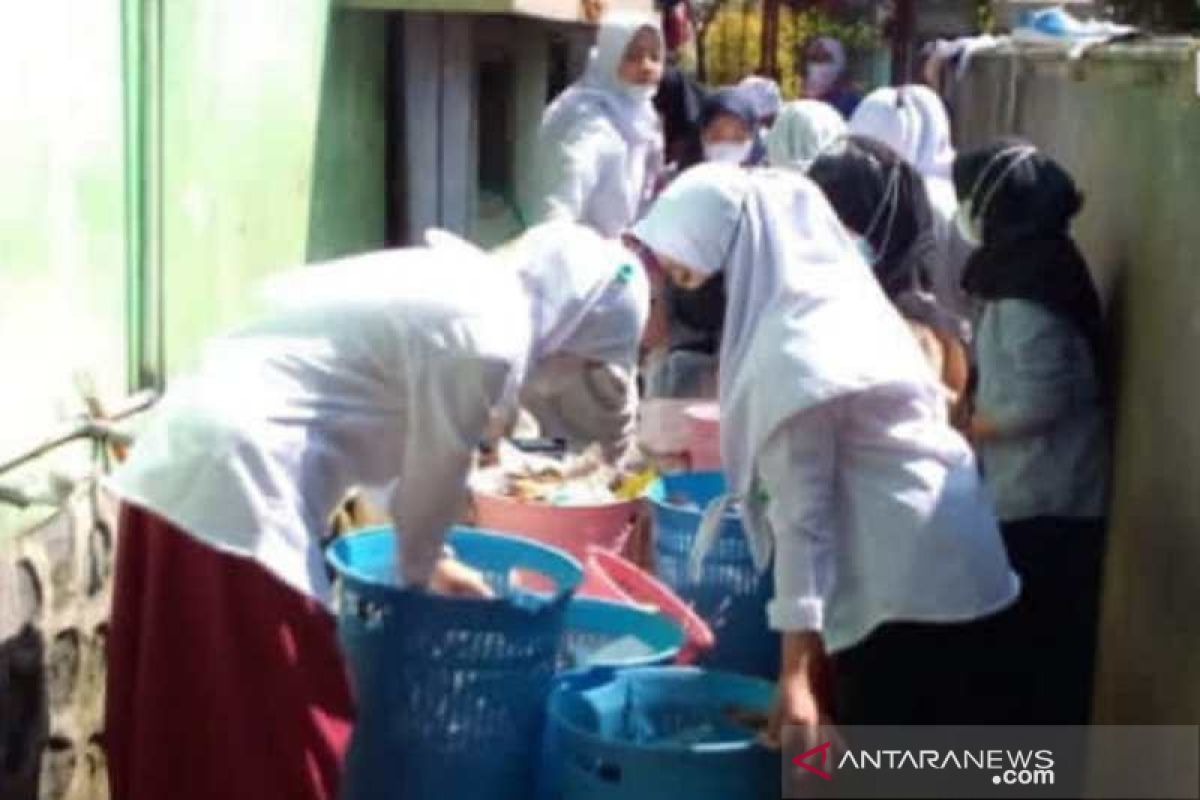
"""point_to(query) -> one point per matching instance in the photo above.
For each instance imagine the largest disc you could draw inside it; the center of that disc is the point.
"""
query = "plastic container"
(647, 734)
(451, 692)
(608, 576)
(704, 436)
(605, 633)
(570, 528)
(731, 595)
(663, 425)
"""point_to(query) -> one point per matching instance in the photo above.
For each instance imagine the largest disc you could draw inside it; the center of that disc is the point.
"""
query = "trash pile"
(582, 479)
(687, 726)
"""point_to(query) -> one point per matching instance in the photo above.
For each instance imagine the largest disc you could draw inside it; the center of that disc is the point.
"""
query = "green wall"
(255, 141)
(62, 243)
(241, 87)
(348, 209)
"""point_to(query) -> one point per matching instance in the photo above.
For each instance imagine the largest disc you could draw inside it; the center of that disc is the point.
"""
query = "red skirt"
(223, 682)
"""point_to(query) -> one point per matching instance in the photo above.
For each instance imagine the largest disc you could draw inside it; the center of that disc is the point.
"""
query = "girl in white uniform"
(912, 120)
(600, 146)
(834, 436)
(376, 370)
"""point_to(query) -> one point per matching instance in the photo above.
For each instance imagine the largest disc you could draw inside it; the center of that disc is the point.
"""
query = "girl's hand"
(455, 579)
(800, 719)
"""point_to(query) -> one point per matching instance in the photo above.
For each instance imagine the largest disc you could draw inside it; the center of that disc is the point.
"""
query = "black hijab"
(877, 195)
(1027, 202)
(678, 101)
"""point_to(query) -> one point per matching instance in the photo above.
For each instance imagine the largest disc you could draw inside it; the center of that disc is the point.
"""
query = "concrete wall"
(1126, 121)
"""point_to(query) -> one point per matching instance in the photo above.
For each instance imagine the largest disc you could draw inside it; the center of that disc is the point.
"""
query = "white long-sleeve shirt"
(385, 376)
(879, 516)
(588, 173)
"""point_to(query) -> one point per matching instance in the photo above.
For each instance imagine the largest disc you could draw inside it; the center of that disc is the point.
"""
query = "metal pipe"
(87, 428)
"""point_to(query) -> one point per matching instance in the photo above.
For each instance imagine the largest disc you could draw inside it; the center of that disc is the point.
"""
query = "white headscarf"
(765, 93)
(804, 130)
(888, 115)
(589, 296)
(836, 67)
(806, 320)
(935, 149)
(836, 50)
(600, 90)
(912, 120)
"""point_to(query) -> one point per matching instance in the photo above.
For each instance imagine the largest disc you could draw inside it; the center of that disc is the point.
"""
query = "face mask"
(728, 152)
(820, 78)
(966, 226)
(965, 220)
(639, 92)
(702, 309)
(866, 250)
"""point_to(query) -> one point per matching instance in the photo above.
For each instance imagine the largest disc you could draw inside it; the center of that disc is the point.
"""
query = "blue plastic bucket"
(659, 732)
(602, 633)
(451, 692)
(731, 595)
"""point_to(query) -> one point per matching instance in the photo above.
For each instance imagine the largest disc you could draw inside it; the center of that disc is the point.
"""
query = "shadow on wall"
(349, 203)
(24, 715)
(52, 661)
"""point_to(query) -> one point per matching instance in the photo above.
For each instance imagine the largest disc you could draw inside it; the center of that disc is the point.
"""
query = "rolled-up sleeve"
(1042, 361)
(797, 468)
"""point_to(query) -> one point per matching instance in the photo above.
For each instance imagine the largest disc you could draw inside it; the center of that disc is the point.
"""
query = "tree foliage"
(733, 40)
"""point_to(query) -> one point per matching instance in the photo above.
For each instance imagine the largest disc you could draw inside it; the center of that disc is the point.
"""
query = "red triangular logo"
(823, 750)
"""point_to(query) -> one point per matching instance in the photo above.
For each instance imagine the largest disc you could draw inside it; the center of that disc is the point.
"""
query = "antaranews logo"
(1007, 767)
(1063, 762)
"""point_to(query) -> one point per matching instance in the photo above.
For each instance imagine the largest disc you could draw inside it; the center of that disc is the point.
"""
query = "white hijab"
(765, 93)
(804, 130)
(806, 320)
(912, 120)
(588, 296)
(600, 90)
(935, 150)
(887, 115)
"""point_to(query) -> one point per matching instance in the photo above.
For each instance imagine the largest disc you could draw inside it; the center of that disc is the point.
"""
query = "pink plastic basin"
(704, 436)
(663, 425)
(609, 577)
(571, 528)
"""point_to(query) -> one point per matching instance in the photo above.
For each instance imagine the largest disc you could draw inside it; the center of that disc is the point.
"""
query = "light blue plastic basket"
(603, 633)
(730, 595)
(659, 732)
(451, 692)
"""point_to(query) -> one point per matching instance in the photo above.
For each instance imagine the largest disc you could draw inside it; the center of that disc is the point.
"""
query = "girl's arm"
(798, 470)
(1043, 359)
